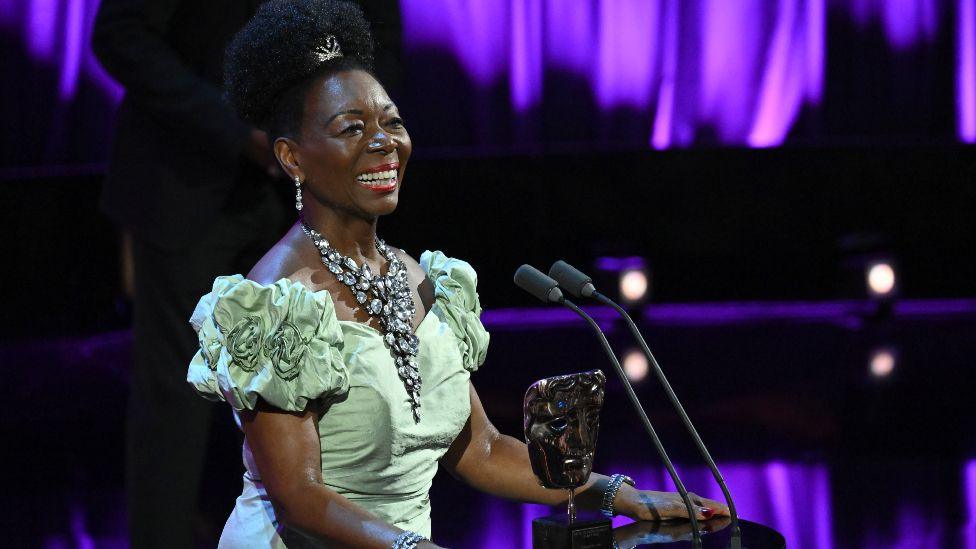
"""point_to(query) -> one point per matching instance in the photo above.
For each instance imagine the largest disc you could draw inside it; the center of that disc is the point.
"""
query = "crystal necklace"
(387, 298)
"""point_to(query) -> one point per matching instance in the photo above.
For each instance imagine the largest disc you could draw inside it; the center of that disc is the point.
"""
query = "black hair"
(272, 61)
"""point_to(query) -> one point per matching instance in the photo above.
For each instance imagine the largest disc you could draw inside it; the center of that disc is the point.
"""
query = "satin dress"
(284, 344)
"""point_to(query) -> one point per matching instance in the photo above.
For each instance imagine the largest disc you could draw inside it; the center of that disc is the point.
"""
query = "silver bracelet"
(610, 493)
(408, 540)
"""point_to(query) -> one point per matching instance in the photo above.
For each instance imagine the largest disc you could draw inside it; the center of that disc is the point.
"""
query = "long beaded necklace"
(387, 298)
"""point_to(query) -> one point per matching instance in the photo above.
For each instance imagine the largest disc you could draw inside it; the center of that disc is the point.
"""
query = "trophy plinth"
(562, 420)
(588, 531)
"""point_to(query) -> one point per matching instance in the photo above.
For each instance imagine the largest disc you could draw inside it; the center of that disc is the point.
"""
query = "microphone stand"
(678, 407)
(695, 532)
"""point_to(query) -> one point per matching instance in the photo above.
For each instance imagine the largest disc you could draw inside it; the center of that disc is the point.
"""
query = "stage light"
(882, 363)
(870, 269)
(631, 275)
(633, 285)
(881, 279)
(635, 365)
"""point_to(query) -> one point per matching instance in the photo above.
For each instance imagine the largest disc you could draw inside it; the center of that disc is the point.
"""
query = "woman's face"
(353, 148)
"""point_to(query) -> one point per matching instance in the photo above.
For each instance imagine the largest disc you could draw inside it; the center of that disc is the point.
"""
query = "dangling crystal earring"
(298, 193)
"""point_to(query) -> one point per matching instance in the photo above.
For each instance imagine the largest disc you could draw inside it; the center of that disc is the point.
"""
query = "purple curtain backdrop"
(969, 484)
(740, 72)
(966, 69)
(742, 69)
(57, 33)
(58, 102)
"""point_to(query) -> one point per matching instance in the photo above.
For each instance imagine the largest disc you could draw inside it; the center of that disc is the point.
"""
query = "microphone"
(578, 284)
(535, 282)
(571, 278)
(546, 289)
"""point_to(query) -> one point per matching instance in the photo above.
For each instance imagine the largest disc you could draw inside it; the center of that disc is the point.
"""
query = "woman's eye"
(355, 128)
(396, 122)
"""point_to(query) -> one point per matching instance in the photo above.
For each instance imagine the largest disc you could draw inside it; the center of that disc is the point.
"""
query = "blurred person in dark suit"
(194, 186)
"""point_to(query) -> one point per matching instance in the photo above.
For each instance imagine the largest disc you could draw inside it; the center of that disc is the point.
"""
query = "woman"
(348, 361)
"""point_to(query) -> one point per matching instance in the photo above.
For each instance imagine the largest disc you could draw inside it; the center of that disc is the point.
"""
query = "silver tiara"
(328, 50)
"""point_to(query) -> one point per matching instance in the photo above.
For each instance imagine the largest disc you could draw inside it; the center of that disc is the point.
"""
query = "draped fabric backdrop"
(493, 74)
(754, 73)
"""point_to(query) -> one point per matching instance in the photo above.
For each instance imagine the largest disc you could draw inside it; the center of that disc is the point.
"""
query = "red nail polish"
(707, 513)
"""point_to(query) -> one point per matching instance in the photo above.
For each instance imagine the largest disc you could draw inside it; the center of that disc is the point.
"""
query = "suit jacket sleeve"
(128, 39)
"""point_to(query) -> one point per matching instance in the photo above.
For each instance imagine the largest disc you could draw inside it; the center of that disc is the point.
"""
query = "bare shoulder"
(290, 258)
(412, 265)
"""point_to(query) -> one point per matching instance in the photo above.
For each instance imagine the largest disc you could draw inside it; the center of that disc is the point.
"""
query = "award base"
(588, 531)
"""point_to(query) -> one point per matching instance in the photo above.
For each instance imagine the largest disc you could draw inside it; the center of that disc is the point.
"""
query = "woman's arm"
(499, 464)
(287, 454)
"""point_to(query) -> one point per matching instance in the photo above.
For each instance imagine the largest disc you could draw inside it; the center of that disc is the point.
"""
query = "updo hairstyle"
(271, 63)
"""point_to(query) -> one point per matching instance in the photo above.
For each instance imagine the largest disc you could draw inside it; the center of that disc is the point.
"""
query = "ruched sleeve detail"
(455, 290)
(280, 341)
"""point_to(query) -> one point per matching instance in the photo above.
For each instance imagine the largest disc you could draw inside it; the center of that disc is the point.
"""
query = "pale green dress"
(283, 343)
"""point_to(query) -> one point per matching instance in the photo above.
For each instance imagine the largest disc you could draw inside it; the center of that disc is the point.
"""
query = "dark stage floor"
(838, 425)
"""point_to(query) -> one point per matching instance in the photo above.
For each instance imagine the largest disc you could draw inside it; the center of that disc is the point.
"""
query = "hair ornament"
(328, 50)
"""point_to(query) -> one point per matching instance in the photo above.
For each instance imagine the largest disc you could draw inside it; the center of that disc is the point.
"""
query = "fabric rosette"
(244, 342)
(287, 350)
(279, 342)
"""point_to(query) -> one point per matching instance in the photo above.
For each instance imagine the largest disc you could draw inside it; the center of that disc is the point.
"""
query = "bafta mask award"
(561, 423)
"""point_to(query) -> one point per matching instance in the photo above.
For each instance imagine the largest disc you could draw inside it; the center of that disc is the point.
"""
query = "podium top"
(677, 534)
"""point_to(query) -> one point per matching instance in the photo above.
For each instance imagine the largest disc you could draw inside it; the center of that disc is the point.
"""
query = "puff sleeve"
(280, 341)
(455, 290)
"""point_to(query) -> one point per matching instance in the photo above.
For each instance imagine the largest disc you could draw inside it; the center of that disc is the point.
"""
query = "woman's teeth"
(378, 179)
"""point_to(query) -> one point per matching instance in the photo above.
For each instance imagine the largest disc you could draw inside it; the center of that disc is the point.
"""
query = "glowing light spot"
(635, 365)
(633, 285)
(882, 362)
(880, 279)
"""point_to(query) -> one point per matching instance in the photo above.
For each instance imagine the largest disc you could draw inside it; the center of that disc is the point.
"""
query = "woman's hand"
(651, 505)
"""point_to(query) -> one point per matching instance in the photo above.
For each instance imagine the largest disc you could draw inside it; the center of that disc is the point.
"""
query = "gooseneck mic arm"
(546, 289)
(578, 284)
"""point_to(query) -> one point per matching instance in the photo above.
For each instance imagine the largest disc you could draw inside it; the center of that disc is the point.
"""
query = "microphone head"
(535, 282)
(572, 279)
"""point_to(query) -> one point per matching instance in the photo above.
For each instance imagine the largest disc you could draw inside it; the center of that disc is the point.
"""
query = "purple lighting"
(73, 47)
(687, 65)
(532, 511)
(618, 264)
(8, 11)
(526, 52)
(58, 33)
(844, 313)
(905, 22)
(793, 498)
(482, 49)
(815, 46)
(42, 16)
(782, 498)
(627, 51)
(734, 72)
(664, 117)
(969, 485)
(966, 69)
(724, 100)
(781, 93)
(569, 34)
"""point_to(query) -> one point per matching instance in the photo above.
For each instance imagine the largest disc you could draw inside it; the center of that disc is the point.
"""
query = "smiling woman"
(347, 361)
(351, 139)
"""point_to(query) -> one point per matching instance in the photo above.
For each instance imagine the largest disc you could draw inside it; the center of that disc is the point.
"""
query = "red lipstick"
(386, 189)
